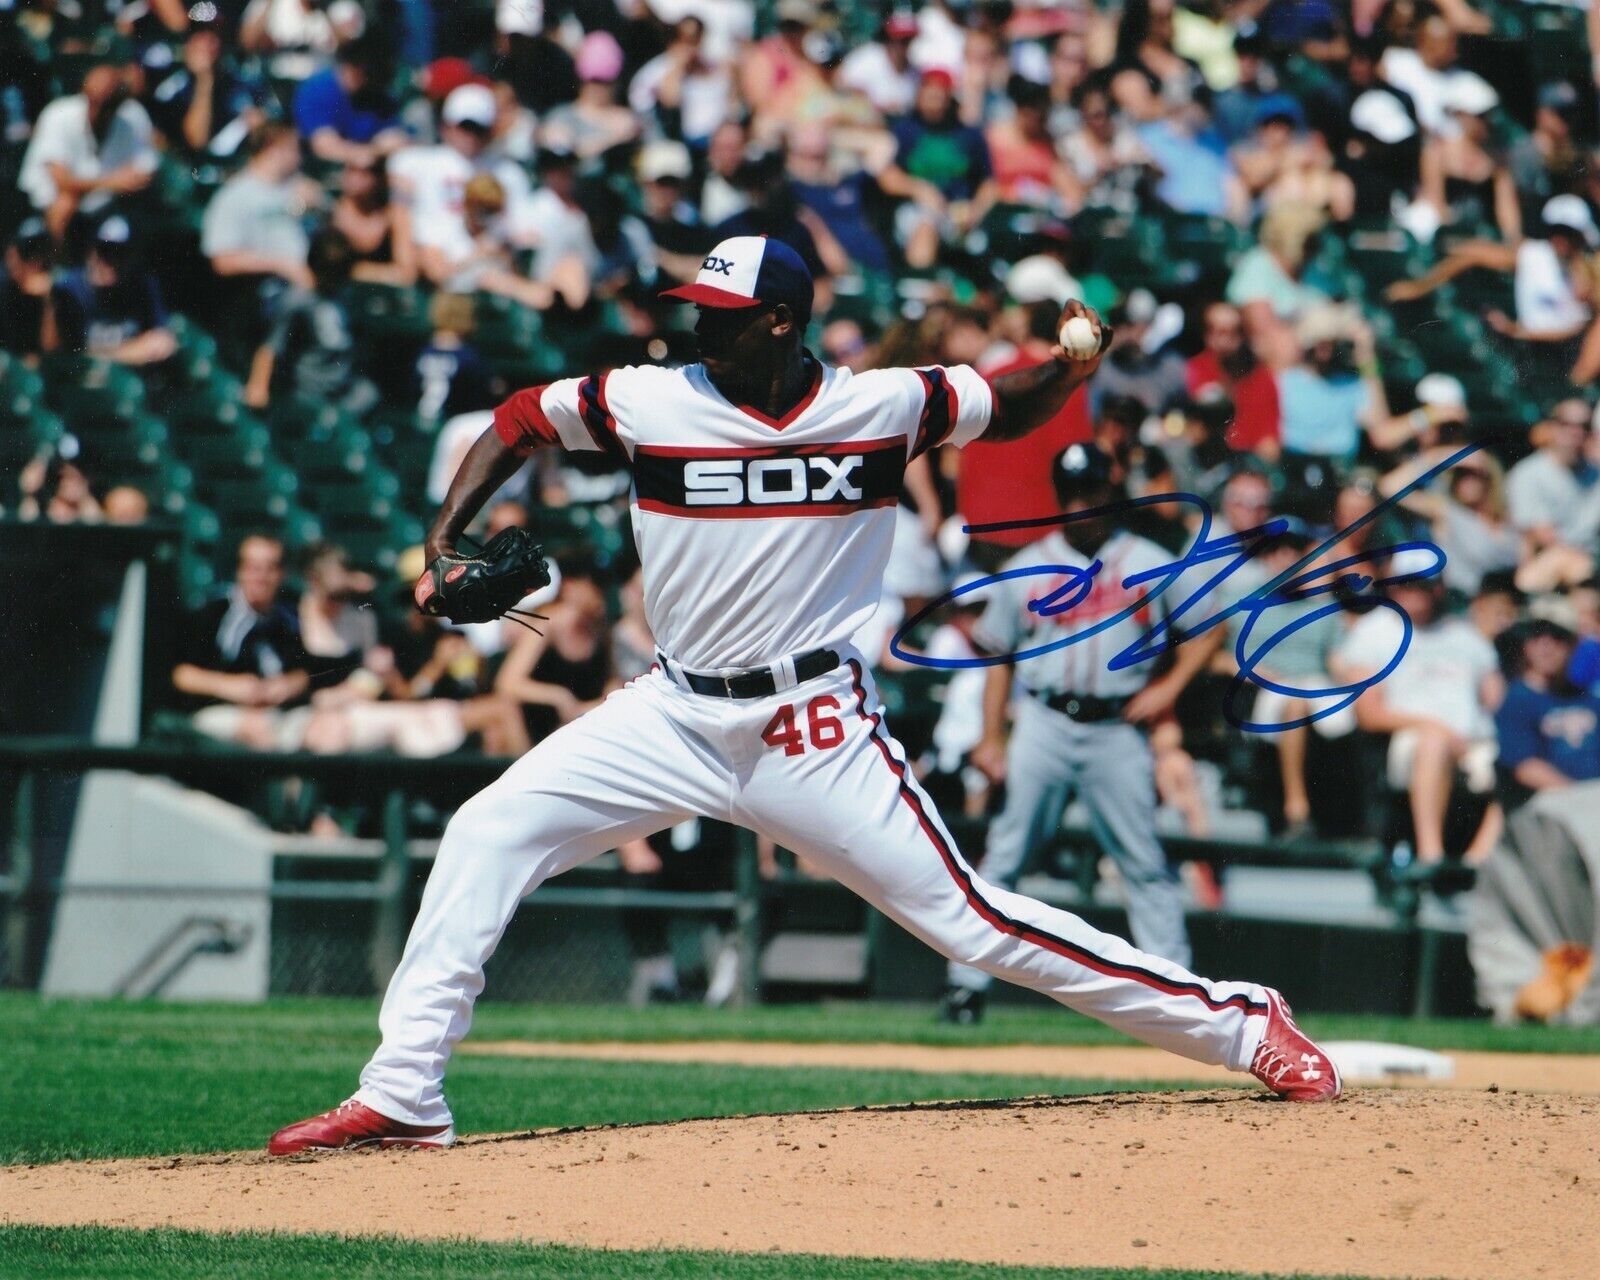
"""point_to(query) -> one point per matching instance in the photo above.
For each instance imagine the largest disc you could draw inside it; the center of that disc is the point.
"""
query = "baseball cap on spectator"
(664, 161)
(599, 57)
(1572, 214)
(113, 233)
(31, 233)
(1441, 391)
(796, 13)
(1470, 95)
(1279, 106)
(519, 17)
(1251, 42)
(471, 105)
(900, 25)
(443, 76)
(348, 19)
(825, 48)
(1558, 96)
(940, 75)
(1378, 114)
(554, 157)
(748, 271)
(157, 57)
(1417, 566)
(1041, 278)
(202, 13)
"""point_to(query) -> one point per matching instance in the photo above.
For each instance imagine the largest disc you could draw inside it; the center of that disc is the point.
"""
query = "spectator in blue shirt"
(1334, 395)
(204, 104)
(1549, 727)
(110, 308)
(346, 113)
(940, 168)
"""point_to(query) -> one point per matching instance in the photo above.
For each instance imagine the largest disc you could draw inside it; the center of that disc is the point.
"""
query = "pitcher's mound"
(1384, 1183)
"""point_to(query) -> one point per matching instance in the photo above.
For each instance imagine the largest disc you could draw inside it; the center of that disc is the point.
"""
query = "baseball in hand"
(1078, 338)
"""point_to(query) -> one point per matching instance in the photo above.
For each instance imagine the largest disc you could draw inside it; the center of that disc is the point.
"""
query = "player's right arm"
(1026, 399)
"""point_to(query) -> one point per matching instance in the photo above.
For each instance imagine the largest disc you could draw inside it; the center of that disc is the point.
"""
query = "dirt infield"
(1475, 1186)
(1537, 1072)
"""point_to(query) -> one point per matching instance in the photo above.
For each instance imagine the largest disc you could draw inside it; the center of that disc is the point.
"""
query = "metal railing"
(28, 895)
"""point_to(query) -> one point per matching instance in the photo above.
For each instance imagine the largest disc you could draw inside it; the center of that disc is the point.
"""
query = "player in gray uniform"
(1077, 727)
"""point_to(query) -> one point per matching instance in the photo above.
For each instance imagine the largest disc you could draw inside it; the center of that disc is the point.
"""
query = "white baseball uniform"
(762, 540)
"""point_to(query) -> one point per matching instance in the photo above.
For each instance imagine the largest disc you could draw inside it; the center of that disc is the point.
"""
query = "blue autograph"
(1298, 583)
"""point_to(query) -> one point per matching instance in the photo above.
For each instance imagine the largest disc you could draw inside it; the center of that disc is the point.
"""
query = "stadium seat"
(81, 389)
(1209, 244)
(388, 312)
(217, 408)
(1382, 256)
(241, 453)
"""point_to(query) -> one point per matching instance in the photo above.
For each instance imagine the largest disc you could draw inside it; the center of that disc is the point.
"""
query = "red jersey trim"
(521, 422)
(772, 451)
(777, 510)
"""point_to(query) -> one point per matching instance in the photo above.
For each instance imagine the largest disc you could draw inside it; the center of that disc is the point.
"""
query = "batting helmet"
(1080, 472)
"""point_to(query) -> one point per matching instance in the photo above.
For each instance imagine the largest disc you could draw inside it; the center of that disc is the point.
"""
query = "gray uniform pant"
(1109, 765)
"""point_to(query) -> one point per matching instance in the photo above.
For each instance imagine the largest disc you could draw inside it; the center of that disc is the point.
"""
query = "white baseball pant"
(827, 781)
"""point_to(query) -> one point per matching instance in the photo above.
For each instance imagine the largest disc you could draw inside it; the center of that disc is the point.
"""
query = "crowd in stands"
(269, 264)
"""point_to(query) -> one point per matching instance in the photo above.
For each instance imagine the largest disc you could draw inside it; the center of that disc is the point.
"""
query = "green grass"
(89, 1080)
(96, 1253)
(850, 1022)
(188, 1078)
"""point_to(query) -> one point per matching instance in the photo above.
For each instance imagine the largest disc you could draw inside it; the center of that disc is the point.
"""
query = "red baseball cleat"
(1289, 1062)
(351, 1125)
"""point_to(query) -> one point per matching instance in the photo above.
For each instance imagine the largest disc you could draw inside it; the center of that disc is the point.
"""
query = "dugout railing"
(389, 863)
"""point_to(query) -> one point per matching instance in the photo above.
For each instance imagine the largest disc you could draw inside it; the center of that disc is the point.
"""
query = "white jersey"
(760, 538)
(1010, 625)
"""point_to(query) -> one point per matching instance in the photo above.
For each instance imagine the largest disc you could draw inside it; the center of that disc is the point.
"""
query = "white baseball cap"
(1573, 214)
(519, 17)
(471, 104)
(744, 271)
(665, 159)
(1378, 113)
(1442, 391)
(1470, 95)
(1041, 278)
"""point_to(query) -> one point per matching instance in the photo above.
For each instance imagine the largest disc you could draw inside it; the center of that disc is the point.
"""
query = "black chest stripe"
(797, 480)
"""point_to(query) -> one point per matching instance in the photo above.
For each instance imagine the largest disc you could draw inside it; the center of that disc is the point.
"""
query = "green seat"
(197, 351)
(354, 503)
(19, 379)
(83, 389)
(1125, 245)
(388, 312)
(296, 417)
(1383, 256)
(216, 408)
(242, 453)
(344, 454)
(1206, 244)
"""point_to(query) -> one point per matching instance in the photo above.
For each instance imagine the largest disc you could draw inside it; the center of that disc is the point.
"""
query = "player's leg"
(1119, 790)
(855, 809)
(578, 793)
(1037, 788)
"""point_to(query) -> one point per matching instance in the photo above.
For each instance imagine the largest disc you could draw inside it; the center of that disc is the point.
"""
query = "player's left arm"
(1028, 398)
(1190, 658)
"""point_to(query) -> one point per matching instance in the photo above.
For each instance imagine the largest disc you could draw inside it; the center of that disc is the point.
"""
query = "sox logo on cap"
(747, 271)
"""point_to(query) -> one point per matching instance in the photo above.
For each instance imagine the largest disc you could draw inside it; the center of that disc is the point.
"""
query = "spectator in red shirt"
(1228, 363)
(1011, 481)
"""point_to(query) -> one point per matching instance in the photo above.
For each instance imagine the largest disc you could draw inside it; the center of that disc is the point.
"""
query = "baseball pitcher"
(763, 491)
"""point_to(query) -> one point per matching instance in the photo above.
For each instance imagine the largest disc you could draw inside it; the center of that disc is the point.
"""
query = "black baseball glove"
(485, 586)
